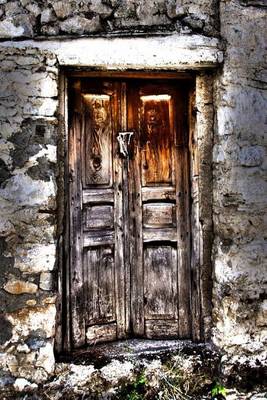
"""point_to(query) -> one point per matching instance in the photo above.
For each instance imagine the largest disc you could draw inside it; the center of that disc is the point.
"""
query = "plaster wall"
(36, 41)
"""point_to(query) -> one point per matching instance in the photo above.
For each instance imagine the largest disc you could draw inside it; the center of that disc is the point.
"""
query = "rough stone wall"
(240, 281)
(28, 102)
(28, 167)
(28, 18)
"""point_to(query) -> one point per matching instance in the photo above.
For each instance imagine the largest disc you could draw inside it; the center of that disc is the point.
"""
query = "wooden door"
(128, 211)
(158, 176)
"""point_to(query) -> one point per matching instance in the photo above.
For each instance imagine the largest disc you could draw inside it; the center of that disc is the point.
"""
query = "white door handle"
(124, 139)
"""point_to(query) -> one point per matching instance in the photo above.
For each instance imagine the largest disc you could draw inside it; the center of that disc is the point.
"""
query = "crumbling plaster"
(182, 35)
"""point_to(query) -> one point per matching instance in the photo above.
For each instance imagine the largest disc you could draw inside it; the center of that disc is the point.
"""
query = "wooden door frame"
(200, 126)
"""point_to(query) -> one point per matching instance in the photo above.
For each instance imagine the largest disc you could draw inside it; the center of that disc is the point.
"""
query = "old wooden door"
(128, 210)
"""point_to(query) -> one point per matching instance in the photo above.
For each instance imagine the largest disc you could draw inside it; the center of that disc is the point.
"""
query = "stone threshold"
(137, 350)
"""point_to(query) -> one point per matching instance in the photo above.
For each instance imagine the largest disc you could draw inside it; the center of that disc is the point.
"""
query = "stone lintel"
(175, 52)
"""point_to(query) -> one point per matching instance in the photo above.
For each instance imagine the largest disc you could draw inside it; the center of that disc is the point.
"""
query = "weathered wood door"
(128, 210)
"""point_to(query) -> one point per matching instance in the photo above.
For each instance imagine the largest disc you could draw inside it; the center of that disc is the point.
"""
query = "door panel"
(98, 215)
(156, 139)
(160, 282)
(160, 220)
(100, 290)
(129, 216)
(97, 130)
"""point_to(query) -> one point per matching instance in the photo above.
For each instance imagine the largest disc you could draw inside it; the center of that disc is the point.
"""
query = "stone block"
(34, 258)
(37, 318)
(62, 8)
(80, 25)
(34, 343)
(45, 358)
(34, 9)
(19, 287)
(40, 85)
(23, 348)
(21, 384)
(251, 156)
(24, 191)
(100, 8)
(9, 363)
(26, 60)
(45, 107)
(13, 8)
(46, 281)
(48, 16)
(50, 30)
(151, 13)
(116, 371)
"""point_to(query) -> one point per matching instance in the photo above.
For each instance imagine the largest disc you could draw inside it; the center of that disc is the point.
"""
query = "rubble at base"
(138, 368)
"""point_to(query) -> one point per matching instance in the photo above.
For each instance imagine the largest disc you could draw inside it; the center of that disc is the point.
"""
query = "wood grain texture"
(161, 329)
(99, 285)
(97, 141)
(160, 282)
(120, 216)
(100, 263)
(129, 216)
(98, 195)
(157, 215)
(75, 194)
(155, 140)
(158, 176)
(101, 333)
(135, 223)
(159, 235)
(98, 216)
(158, 193)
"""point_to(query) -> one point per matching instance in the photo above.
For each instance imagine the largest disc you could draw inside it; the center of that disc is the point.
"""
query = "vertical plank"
(118, 215)
(66, 258)
(75, 196)
(135, 205)
(125, 276)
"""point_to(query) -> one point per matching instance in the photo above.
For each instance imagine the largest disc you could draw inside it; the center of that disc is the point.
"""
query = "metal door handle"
(124, 139)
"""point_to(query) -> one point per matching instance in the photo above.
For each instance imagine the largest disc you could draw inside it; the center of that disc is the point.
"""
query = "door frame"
(200, 130)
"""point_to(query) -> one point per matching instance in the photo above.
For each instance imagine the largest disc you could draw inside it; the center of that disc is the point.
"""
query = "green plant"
(135, 390)
(218, 389)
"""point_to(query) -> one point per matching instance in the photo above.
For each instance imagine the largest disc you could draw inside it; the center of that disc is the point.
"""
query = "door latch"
(124, 139)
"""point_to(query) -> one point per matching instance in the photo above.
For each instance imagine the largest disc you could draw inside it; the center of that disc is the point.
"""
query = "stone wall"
(240, 281)
(28, 18)
(28, 86)
(29, 77)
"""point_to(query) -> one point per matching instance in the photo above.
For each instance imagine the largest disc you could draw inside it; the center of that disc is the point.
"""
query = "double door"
(129, 241)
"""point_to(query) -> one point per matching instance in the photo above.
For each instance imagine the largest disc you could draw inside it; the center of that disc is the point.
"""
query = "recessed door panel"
(160, 282)
(99, 276)
(156, 139)
(97, 130)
